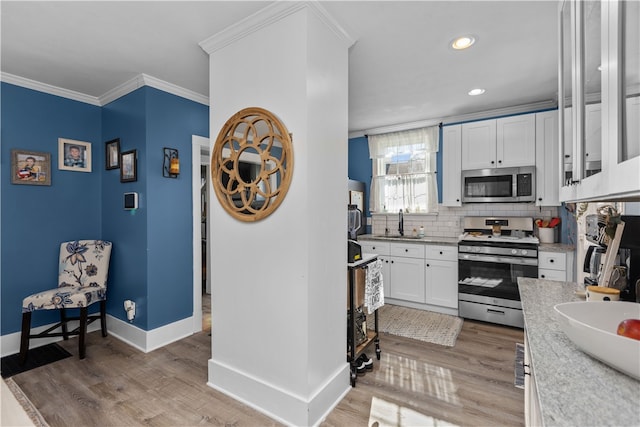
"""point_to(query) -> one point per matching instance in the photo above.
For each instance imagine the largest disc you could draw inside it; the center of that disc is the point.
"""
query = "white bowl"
(592, 326)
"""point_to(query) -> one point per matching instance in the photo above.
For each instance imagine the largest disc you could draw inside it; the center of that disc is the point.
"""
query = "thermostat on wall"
(130, 201)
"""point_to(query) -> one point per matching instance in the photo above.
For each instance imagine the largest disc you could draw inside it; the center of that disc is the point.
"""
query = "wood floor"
(470, 384)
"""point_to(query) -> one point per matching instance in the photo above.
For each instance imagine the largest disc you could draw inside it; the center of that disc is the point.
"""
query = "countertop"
(453, 241)
(574, 389)
(555, 247)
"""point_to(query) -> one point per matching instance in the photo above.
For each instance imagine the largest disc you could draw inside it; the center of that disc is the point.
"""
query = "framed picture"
(128, 166)
(112, 154)
(74, 155)
(30, 167)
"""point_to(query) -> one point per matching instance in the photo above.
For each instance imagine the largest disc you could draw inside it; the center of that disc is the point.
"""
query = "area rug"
(39, 356)
(435, 328)
(32, 412)
(519, 366)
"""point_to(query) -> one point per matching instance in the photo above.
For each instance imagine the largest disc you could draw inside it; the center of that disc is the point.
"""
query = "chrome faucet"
(400, 223)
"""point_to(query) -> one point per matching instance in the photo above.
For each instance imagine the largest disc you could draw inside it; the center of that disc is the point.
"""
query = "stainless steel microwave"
(499, 185)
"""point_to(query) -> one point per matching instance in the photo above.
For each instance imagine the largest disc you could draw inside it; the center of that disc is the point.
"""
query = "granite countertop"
(555, 247)
(453, 241)
(574, 389)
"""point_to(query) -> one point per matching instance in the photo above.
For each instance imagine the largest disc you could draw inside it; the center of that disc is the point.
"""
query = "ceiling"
(401, 68)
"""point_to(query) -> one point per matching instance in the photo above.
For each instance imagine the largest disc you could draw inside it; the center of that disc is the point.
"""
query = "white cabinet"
(547, 159)
(418, 275)
(532, 411)
(555, 266)
(441, 276)
(599, 108)
(515, 141)
(479, 145)
(452, 165)
(406, 268)
(383, 251)
(500, 143)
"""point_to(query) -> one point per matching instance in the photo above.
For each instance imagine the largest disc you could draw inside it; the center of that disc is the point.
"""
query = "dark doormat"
(37, 357)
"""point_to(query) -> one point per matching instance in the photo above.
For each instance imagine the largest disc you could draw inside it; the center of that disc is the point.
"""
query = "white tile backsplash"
(448, 221)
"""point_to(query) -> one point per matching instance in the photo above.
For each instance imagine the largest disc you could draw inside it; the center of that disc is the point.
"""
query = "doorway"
(201, 191)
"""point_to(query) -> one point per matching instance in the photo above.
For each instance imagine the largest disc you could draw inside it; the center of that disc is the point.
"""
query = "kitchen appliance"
(489, 265)
(499, 185)
(628, 254)
(354, 221)
(593, 264)
(356, 201)
(354, 251)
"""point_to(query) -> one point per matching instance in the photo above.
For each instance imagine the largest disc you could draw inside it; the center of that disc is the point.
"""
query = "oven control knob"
(524, 252)
(514, 251)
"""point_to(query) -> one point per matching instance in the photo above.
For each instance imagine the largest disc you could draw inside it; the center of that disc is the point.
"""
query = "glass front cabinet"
(599, 100)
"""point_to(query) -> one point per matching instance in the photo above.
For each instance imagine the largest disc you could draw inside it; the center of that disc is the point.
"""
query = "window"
(404, 171)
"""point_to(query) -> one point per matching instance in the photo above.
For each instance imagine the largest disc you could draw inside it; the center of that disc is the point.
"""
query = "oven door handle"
(498, 259)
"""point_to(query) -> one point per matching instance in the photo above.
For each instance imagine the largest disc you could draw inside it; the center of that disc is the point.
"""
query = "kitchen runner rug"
(435, 328)
(20, 398)
(519, 366)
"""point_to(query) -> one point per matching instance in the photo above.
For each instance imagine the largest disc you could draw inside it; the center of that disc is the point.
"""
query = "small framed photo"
(128, 166)
(112, 154)
(30, 167)
(74, 155)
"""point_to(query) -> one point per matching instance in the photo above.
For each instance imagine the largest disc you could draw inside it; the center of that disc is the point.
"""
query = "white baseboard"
(272, 400)
(144, 341)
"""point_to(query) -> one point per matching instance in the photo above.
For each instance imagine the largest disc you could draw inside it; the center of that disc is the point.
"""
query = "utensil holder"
(547, 235)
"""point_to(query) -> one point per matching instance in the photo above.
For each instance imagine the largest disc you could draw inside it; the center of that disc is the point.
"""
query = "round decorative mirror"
(252, 164)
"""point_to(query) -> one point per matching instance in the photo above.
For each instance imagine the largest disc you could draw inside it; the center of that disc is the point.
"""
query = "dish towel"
(373, 291)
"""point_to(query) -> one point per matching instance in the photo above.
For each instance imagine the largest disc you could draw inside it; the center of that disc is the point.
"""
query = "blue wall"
(152, 261)
(36, 219)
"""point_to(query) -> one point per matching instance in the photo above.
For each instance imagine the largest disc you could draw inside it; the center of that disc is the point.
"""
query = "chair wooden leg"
(103, 317)
(82, 333)
(24, 337)
(63, 323)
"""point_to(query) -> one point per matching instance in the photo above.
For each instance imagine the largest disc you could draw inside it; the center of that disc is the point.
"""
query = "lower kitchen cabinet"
(441, 276)
(407, 279)
(555, 266)
(532, 412)
(418, 275)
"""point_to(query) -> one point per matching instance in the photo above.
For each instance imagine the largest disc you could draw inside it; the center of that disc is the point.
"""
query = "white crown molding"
(267, 16)
(115, 93)
(46, 88)
(507, 111)
(147, 80)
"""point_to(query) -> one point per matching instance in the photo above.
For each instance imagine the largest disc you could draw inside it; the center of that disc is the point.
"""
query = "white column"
(279, 284)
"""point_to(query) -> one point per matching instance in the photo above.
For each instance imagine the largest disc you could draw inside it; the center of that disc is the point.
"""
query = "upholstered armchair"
(82, 281)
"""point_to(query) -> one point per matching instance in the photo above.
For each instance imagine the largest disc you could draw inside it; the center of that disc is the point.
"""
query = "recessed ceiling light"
(463, 42)
(474, 92)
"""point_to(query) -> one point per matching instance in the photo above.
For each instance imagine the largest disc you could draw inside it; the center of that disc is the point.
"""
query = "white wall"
(279, 284)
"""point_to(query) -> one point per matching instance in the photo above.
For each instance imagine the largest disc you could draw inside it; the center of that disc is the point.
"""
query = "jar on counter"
(421, 232)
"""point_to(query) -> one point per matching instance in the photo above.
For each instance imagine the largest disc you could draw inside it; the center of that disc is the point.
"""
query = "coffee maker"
(593, 264)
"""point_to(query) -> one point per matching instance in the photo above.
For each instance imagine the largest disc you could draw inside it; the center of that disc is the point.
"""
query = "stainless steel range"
(492, 253)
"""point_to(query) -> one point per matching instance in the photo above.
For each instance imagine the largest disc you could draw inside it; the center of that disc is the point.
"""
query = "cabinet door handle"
(539, 199)
(499, 161)
(489, 310)
(492, 162)
(566, 156)
(551, 260)
(440, 252)
(542, 276)
(428, 265)
(406, 250)
(457, 200)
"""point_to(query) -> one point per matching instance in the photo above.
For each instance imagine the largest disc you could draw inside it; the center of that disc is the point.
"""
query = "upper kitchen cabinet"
(599, 79)
(500, 143)
(451, 164)
(547, 160)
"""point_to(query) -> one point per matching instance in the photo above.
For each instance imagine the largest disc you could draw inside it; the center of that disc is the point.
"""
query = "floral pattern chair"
(82, 281)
